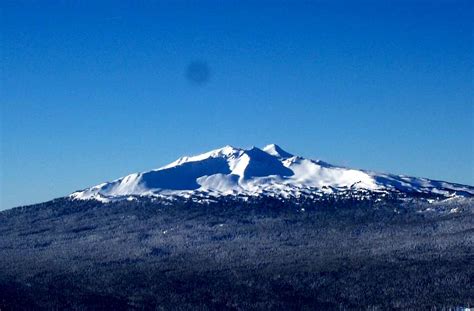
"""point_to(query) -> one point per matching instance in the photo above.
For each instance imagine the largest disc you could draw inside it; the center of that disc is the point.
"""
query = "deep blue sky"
(92, 92)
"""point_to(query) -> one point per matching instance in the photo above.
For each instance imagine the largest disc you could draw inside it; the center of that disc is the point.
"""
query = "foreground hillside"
(234, 255)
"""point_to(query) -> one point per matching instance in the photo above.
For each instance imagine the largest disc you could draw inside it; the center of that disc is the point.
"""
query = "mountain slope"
(270, 171)
(227, 255)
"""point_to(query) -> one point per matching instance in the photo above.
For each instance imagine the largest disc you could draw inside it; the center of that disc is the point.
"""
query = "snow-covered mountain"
(270, 171)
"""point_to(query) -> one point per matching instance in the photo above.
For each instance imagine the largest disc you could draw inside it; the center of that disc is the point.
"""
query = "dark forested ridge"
(231, 254)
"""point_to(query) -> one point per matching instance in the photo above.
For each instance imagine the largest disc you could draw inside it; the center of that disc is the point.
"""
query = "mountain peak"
(276, 151)
(225, 151)
(253, 172)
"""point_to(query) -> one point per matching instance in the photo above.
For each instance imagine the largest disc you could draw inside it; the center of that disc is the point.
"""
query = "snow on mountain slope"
(253, 172)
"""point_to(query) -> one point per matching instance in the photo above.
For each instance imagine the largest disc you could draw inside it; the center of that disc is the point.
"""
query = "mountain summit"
(276, 151)
(270, 171)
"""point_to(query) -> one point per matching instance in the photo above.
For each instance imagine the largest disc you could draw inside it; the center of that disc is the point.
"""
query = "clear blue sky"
(91, 92)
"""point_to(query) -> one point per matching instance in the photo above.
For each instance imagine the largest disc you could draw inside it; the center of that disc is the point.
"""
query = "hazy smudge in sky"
(198, 72)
